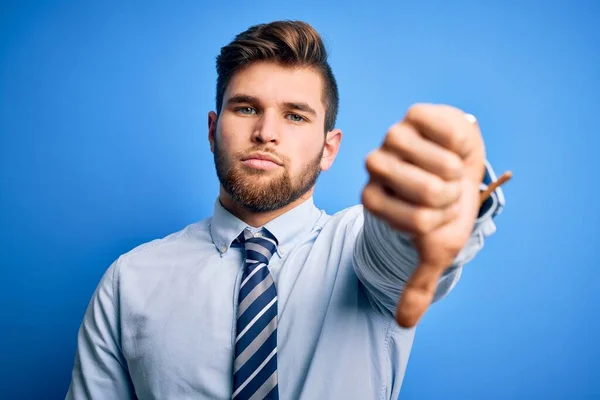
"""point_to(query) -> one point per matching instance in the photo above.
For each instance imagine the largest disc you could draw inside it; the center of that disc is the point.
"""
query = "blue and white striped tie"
(255, 364)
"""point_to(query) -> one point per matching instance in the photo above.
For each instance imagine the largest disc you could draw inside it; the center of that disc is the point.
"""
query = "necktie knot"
(260, 246)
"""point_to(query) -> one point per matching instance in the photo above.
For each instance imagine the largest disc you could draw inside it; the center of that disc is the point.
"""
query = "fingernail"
(471, 118)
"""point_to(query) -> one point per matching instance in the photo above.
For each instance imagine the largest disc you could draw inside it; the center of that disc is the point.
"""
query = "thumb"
(475, 159)
(418, 294)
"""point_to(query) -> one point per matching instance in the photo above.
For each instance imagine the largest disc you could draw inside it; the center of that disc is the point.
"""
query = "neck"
(258, 219)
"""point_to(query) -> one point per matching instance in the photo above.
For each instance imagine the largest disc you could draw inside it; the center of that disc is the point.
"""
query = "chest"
(178, 333)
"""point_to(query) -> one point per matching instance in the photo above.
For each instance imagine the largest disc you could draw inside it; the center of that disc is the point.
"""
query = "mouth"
(261, 161)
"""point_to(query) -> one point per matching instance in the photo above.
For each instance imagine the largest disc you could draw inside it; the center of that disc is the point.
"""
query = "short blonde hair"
(288, 43)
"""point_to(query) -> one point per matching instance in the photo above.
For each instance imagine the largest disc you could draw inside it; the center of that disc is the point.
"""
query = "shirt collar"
(287, 228)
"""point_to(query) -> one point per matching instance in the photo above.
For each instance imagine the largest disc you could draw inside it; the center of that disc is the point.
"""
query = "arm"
(425, 181)
(100, 370)
(384, 259)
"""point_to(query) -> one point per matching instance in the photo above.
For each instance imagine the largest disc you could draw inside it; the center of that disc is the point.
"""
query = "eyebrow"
(300, 107)
(242, 98)
(246, 99)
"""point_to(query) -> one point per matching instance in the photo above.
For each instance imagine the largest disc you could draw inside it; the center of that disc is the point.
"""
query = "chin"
(260, 172)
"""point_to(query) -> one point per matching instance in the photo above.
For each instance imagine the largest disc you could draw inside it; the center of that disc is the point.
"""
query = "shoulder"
(346, 223)
(165, 251)
(190, 234)
(350, 217)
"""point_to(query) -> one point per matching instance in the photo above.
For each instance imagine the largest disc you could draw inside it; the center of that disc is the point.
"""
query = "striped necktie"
(255, 364)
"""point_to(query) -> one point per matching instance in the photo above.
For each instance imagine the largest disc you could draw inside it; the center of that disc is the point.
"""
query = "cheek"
(229, 136)
(311, 144)
(303, 153)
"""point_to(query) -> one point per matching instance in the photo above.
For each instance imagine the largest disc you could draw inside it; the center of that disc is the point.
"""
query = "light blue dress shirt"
(161, 323)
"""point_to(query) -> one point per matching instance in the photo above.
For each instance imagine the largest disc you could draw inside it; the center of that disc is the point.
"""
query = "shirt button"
(223, 249)
(258, 235)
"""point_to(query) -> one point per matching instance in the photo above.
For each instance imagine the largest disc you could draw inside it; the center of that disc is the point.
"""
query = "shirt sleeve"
(384, 259)
(100, 370)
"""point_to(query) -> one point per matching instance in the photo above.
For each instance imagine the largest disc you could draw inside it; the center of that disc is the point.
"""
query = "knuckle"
(396, 138)
(416, 111)
(458, 138)
(394, 128)
(371, 161)
(455, 190)
(375, 162)
(452, 167)
(370, 199)
(422, 220)
(405, 141)
(432, 191)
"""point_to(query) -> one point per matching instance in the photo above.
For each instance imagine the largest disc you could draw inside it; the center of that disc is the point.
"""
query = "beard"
(250, 187)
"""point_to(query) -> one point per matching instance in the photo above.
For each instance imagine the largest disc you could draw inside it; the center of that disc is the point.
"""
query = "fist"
(424, 181)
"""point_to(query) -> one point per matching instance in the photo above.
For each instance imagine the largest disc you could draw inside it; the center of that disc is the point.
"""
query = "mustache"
(259, 149)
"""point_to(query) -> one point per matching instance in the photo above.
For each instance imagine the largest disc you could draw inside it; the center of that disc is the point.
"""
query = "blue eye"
(295, 117)
(246, 110)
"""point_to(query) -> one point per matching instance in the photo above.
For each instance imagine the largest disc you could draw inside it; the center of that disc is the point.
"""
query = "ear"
(212, 129)
(333, 139)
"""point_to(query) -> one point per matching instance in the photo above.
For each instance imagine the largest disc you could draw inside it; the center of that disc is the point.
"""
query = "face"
(269, 143)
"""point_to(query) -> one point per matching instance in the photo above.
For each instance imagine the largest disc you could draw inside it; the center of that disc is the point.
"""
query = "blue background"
(103, 146)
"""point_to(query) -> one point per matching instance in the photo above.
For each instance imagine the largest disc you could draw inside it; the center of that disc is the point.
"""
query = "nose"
(267, 128)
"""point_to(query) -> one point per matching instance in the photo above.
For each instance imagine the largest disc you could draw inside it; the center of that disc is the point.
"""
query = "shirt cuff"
(492, 206)
(484, 224)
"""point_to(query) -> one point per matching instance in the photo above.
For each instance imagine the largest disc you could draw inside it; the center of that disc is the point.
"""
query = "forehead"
(276, 84)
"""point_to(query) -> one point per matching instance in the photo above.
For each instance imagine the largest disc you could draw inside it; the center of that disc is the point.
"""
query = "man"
(271, 297)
